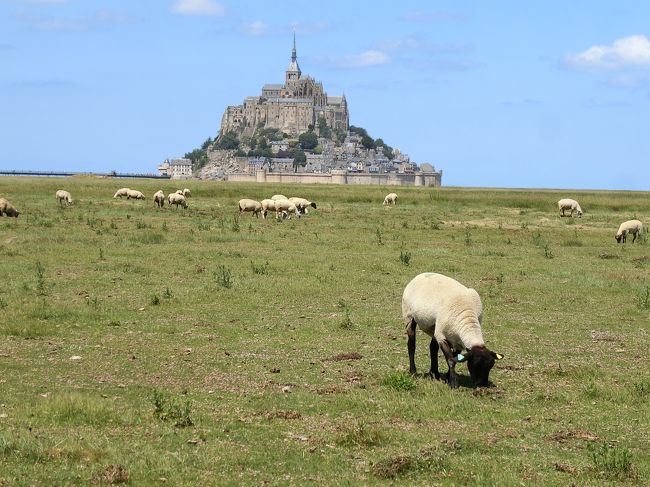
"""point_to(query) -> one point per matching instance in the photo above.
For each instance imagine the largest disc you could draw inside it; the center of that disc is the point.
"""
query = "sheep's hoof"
(454, 384)
(434, 375)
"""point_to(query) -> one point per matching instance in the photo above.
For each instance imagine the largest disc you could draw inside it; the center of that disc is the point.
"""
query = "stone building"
(176, 168)
(291, 107)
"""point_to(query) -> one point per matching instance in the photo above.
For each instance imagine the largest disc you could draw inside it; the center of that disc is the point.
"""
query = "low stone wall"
(433, 179)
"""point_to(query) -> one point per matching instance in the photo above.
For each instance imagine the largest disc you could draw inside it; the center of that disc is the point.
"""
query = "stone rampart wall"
(341, 177)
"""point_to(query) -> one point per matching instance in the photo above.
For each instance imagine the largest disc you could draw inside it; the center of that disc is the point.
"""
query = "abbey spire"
(293, 71)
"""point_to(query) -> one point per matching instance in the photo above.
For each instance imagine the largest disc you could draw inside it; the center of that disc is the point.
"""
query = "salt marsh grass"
(205, 348)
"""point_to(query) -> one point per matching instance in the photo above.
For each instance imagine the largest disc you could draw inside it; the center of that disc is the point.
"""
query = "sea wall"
(433, 179)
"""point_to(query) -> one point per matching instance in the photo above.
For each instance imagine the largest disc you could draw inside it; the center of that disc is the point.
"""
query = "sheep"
(267, 205)
(185, 192)
(390, 199)
(285, 208)
(159, 199)
(62, 196)
(635, 227)
(246, 204)
(7, 209)
(569, 204)
(177, 199)
(279, 197)
(121, 192)
(451, 314)
(132, 193)
(302, 204)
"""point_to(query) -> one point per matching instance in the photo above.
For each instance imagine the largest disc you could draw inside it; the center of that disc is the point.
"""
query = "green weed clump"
(361, 434)
(223, 276)
(400, 381)
(613, 461)
(405, 257)
(167, 408)
(643, 298)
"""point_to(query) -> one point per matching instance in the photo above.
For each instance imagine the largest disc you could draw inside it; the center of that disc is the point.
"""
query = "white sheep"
(136, 195)
(62, 196)
(302, 204)
(177, 199)
(285, 208)
(121, 192)
(267, 205)
(451, 314)
(7, 209)
(159, 199)
(253, 206)
(569, 204)
(185, 192)
(390, 199)
(635, 227)
(278, 197)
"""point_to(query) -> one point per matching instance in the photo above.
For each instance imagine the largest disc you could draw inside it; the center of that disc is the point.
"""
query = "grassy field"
(199, 348)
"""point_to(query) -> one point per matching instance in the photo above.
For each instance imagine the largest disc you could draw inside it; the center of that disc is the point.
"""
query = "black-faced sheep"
(635, 227)
(451, 314)
(302, 204)
(62, 196)
(571, 205)
(7, 209)
(285, 208)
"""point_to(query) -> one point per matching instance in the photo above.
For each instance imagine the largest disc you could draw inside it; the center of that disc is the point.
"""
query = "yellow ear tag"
(499, 356)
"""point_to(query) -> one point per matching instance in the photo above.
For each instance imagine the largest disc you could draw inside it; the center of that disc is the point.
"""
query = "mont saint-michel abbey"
(291, 107)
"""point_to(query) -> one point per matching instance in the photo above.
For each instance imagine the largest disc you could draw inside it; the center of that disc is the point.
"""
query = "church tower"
(293, 71)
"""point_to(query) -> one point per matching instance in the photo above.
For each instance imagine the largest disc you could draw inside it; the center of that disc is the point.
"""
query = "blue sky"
(503, 94)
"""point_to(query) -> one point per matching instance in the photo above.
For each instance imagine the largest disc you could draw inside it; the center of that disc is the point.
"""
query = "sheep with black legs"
(634, 227)
(302, 204)
(246, 205)
(177, 199)
(159, 199)
(451, 314)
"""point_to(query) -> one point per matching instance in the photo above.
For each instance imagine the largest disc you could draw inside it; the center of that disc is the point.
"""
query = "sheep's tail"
(410, 326)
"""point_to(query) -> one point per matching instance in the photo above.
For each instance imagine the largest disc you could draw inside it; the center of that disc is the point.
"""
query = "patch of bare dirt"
(565, 467)
(346, 356)
(113, 474)
(280, 414)
(563, 436)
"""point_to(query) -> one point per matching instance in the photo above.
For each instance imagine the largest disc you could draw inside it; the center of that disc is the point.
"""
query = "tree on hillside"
(228, 141)
(367, 142)
(199, 157)
(308, 140)
(323, 129)
(299, 159)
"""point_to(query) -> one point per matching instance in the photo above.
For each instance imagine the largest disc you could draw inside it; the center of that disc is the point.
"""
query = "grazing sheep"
(390, 199)
(7, 209)
(285, 208)
(246, 204)
(569, 204)
(185, 192)
(121, 192)
(451, 314)
(159, 199)
(62, 196)
(136, 195)
(635, 227)
(177, 199)
(267, 205)
(302, 204)
(278, 197)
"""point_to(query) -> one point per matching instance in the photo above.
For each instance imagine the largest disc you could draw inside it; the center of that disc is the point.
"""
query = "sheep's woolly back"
(569, 204)
(444, 309)
(278, 197)
(630, 226)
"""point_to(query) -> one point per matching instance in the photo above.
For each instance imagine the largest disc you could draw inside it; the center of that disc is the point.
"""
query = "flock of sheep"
(282, 206)
(444, 309)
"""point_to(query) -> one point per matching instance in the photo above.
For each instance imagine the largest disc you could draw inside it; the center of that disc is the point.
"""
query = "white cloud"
(628, 52)
(256, 28)
(198, 7)
(364, 59)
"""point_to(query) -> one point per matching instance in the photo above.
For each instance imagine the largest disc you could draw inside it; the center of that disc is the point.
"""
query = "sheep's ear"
(460, 358)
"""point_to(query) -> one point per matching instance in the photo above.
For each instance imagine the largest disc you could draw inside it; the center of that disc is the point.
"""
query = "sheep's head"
(480, 361)
(619, 237)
